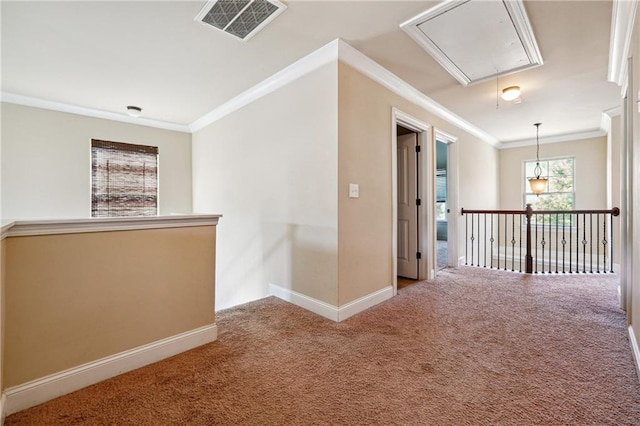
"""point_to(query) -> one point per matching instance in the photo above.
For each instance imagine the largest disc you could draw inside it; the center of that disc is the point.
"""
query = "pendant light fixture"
(538, 184)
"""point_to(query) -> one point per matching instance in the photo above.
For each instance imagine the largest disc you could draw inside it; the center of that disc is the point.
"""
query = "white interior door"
(407, 209)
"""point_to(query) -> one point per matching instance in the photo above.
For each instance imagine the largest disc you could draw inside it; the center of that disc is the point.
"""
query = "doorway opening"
(413, 201)
(442, 206)
(408, 206)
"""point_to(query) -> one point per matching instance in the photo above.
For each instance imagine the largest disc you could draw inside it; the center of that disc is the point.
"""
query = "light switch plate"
(354, 190)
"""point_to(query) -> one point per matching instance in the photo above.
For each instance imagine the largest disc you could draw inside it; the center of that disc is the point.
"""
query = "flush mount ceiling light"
(511, 93)
(472, 39)
(134, 111)
(538, 184)
(240, 18)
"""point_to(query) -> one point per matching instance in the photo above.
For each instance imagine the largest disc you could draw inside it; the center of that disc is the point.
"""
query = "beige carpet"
(472, 347)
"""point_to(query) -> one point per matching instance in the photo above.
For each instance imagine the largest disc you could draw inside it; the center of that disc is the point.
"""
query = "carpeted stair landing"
(472, 347)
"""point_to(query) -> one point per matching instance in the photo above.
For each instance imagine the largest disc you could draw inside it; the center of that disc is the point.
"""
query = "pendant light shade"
(538, 184)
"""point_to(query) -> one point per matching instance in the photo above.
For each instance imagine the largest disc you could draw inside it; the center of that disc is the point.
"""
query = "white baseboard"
(327, 310)
(365, 302)
(3, 414)
(41, 390)
(309, 303)
(461, 260)
(635, 350)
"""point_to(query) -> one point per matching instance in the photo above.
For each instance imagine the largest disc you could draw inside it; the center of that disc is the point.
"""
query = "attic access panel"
(240, 18)
(474, 40)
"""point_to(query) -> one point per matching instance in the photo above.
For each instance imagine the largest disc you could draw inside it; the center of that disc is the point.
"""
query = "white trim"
(301, 67)
(622, 17)
(13, 98)
(587, 134)
(461, 260)
(453, 194)
(41, 390)
(327, 310)
(514, 8)
(386, 78)
(365, 302)
(425, 232)
(635, 349)
(4, 230)
(76, 226)
(3, 404)
(613, 112)
(309, 303)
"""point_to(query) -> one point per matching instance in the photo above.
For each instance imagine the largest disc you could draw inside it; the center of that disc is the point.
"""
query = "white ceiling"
(106, 55)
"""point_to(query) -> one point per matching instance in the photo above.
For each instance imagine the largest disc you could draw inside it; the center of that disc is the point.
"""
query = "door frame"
(452, 195)
(426, 192)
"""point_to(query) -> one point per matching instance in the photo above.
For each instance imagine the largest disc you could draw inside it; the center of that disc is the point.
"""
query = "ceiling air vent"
(240, 18)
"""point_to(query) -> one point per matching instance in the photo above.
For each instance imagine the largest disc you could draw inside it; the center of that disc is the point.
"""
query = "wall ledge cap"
(76, 226)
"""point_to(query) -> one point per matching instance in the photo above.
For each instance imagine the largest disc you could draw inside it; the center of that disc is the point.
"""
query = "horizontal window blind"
(124, 179)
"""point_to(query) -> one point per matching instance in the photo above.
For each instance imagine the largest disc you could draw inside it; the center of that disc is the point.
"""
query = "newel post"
(528, 257)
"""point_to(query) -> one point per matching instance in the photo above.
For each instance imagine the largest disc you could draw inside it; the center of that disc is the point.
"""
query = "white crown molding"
(301, 67)
(13, 98)
(41, 390)
(340, 50)
(386, 78)
(622, 19)
(596, 133)
(76, 226)
(613, 112)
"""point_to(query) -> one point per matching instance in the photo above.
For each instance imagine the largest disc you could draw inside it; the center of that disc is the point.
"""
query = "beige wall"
(46, 162)
(75, 298)
(271, 169)
(590, 171)
(365, 261)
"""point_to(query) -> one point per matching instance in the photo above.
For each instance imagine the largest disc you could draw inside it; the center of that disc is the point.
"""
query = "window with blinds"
(124, 179)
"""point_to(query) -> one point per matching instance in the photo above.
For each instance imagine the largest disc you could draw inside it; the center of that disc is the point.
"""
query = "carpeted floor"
(472, 347)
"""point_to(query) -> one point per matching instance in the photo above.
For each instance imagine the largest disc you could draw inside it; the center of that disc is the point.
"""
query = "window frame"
(143, 149)
(526, 189)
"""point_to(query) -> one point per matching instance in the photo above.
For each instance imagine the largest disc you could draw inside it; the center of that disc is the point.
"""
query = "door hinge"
(418, 255)
(418, 202)
(417, 148)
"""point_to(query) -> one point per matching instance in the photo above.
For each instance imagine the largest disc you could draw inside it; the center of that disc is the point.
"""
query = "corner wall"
(271, 169)
(46, 162)
(365, 260)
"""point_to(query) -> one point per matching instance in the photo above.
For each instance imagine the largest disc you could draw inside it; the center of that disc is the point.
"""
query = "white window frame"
(526, 190)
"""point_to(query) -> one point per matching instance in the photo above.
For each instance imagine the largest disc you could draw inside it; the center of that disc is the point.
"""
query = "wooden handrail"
(614, 211)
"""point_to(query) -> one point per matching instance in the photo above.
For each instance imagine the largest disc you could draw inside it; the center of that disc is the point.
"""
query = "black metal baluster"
(604, 242)
(585, 243)
(611, 245)
(571, 245)
(591, 242)
(513, 241)
(549, 242)
(491, 240)
(556, 243)
(543, 243)
(520, 239)
(598, 242)
(564, 241)
(472, 239)
(535, 261)
(485, 240)
(506, 232)
(466, 239)
(498, 227)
